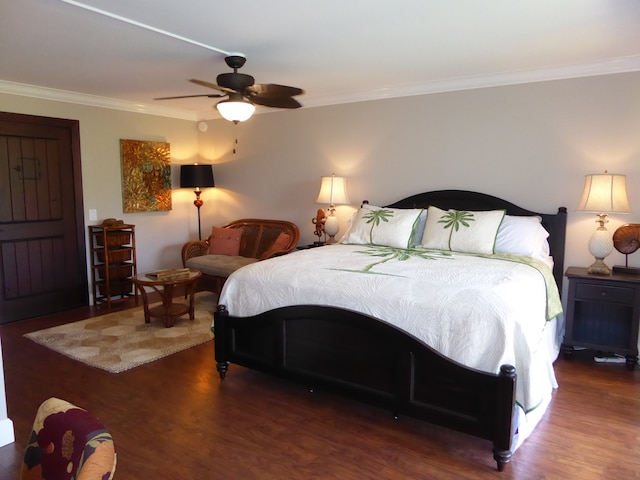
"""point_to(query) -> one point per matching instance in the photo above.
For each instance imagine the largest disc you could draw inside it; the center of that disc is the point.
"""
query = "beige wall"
(531, 144)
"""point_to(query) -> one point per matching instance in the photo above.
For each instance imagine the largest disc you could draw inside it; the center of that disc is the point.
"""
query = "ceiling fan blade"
(211, 85)
(210, 95)
(273, 90)
(275, 102)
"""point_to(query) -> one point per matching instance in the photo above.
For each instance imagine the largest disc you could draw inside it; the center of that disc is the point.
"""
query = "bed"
(449, 346)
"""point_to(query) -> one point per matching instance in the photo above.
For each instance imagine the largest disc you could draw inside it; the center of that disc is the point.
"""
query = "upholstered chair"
(68, 443)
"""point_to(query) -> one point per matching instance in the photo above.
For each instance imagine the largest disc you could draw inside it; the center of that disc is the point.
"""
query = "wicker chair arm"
(194, 249)
(294, 236)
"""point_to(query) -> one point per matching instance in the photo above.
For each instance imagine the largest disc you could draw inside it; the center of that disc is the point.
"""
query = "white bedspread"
(481, 312)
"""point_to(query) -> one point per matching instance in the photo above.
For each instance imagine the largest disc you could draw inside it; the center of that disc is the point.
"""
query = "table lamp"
(333, 191)
(603, 193)
(197, 176)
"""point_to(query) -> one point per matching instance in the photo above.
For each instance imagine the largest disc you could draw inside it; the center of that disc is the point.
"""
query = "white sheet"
(481, 312)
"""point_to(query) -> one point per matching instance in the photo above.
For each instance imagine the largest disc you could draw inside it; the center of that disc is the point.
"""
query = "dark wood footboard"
(373, 361)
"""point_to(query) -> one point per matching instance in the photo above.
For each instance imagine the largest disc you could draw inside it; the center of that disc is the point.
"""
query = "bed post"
(219, 325)
(505, 404)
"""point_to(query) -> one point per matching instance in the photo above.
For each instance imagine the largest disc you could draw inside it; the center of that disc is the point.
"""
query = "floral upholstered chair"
(68, 443)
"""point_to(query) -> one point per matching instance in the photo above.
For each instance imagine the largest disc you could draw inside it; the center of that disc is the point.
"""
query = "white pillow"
(416, 236)
(461, 230)
(391, 227)
(523, 236)
(349, 225)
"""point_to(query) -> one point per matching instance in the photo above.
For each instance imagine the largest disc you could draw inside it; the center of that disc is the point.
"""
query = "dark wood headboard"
(555, 224)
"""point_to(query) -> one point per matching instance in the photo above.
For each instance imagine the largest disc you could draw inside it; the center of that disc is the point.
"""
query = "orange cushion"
(225, 241)
(282, 242)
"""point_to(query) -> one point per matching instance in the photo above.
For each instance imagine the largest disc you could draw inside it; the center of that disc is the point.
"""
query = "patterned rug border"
(57, 338)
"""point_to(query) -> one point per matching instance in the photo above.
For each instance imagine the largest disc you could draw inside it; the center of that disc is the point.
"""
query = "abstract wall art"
(146, 176)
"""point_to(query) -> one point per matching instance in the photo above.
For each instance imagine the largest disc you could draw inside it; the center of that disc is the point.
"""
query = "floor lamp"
(197, 176)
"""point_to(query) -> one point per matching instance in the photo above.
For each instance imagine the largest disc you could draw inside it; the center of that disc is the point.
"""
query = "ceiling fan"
(244, 93)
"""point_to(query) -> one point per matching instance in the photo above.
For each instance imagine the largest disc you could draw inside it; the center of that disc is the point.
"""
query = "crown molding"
(53, 94)
(606, 67)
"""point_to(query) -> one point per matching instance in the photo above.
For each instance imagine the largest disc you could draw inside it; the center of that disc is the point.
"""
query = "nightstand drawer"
(588, 291)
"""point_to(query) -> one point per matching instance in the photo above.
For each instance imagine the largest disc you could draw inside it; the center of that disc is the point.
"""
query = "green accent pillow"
(389, 227)
(462, 231)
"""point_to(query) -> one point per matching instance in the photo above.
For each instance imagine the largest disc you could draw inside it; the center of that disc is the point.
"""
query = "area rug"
(118, 341)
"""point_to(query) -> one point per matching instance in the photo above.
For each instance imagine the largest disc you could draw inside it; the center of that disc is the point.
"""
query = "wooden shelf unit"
(113, 263)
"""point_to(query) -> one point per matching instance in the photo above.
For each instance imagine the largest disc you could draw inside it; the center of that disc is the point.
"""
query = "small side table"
(603, 313)
(169, 310)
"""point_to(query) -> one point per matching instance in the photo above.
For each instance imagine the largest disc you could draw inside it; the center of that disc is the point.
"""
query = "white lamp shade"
(333, 191)
(235, 110)
(604, 193)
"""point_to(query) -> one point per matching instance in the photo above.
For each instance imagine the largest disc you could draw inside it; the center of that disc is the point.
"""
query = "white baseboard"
(6, 432)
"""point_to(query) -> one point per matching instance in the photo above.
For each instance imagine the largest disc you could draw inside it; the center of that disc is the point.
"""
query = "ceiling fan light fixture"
(244, 93)
(235, 109)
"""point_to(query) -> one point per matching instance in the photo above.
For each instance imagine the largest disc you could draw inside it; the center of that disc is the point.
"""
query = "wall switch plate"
(93, 214)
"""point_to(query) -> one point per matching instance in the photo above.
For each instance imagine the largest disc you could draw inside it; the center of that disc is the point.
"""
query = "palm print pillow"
(389, 227)
(461, 230)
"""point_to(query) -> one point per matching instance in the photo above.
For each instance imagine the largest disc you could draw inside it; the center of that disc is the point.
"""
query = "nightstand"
(311, 245)
(603, 313)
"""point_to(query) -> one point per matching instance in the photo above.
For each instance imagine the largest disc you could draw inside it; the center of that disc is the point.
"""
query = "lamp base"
(600, 246)
(599, 268)
(331, 226)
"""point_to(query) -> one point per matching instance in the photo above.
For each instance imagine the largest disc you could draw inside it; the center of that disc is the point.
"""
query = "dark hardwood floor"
(174, 419)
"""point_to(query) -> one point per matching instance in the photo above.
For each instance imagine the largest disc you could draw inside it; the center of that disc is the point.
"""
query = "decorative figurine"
(318, 221)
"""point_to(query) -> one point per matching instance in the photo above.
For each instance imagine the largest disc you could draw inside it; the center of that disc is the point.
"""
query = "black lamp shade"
(192, 176)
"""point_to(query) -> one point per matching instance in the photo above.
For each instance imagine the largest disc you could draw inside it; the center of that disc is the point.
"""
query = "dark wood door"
(42, 241)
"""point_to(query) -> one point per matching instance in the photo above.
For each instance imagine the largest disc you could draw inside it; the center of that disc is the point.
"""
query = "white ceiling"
(129, 51)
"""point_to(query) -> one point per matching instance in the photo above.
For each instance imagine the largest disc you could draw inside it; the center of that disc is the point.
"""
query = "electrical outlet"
(93, 214)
